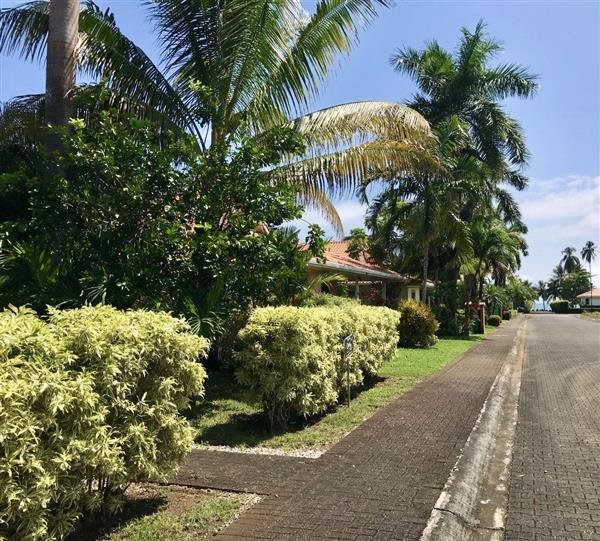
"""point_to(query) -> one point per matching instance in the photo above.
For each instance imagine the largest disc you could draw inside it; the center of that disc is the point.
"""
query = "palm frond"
(354, 122)
(24, 30)
(311, 197)
(330, 32)
(341, 172)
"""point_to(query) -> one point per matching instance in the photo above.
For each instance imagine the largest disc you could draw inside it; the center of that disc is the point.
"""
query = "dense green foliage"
(417, 325)
(560, 306)
(291, 358)
(494, 320)
(459, 224)
(89, 403)
(129, 218)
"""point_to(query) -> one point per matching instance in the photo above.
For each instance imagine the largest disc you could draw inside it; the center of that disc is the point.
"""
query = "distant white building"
(590, 299)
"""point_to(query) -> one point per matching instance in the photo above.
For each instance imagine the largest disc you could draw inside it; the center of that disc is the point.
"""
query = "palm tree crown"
(570, 262)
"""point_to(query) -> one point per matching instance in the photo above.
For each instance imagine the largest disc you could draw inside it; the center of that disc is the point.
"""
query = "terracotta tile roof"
(591, 293)
(336, 252)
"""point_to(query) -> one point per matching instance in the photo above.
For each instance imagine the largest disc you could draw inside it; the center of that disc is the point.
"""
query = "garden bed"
(167, 512)
(228, 417)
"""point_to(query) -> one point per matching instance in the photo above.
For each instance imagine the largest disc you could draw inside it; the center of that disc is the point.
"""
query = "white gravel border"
(300, 453)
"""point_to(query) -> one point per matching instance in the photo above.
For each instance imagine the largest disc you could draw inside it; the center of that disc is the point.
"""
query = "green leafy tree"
(358, 243)
(573, 284)
(135, 222)
(239, 66)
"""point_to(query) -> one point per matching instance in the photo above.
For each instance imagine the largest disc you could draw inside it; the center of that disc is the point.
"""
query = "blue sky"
(558, 40)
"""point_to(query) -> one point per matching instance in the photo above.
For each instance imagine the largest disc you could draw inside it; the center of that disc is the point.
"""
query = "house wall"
(589, 301)
(411, 292)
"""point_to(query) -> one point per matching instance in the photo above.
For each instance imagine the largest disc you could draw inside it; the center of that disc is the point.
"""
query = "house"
(365, 280)
(590, 299)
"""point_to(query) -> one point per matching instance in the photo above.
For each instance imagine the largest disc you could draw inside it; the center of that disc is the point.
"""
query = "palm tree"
(63, 21)
(463, 91)
(242, 66)
(570, 262)
(588, 253)
(542, 289)
(497, 249)
(465, 85)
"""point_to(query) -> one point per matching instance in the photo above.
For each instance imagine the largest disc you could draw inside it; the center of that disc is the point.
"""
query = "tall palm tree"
(570, 262)
(588, 253)
(465, 85)
(464, 91)
(231, 66)
(63, 21)
(542, 289)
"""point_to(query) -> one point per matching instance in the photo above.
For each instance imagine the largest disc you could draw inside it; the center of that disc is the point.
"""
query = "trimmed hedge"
(291, 358)
(88, 404)
(494, 320)
(417, 324)
(560, 306)
(509, 314)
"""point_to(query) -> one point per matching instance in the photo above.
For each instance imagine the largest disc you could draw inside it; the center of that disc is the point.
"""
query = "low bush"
(89, 403)
(291, 358)
(494, 320)
(506, 315)
(326, 299)
(417, 324)
(559, 306)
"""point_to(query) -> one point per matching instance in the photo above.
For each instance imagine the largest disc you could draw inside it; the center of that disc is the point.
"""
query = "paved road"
(555, 480)
(383, 479)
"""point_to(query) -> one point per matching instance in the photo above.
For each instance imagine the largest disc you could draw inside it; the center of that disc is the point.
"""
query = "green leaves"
(290, 358)
(89, 403)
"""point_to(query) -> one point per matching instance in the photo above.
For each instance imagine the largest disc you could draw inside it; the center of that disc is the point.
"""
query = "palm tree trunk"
(425, 271)
(60, 64)
(591, 282)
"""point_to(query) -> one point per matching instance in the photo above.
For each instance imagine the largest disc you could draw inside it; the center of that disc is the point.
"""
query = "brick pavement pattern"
(238, 472)
(383, 479)
(555, 479)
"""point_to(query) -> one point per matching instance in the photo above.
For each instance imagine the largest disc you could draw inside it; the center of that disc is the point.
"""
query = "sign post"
(348, 348)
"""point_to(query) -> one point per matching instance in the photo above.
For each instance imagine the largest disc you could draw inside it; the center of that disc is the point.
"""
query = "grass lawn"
(591, 315)
(229, 417)
(167, 512)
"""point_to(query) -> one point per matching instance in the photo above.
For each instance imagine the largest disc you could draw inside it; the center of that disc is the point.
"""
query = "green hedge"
(88, 404)
(509, 314)
(417, 324)
(559, 306)
(494, 320)
(291, 358)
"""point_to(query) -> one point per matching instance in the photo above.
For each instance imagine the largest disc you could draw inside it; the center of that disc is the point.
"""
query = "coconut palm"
(63, 20)
(542, 290)
(588, 253)
(460, 95)
(570, 262)
(242, 66)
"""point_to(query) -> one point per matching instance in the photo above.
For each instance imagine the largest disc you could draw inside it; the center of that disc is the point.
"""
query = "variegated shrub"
(88, 403)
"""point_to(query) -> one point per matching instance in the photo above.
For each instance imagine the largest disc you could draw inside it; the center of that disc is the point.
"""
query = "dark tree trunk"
(425, 271)
(60, 64)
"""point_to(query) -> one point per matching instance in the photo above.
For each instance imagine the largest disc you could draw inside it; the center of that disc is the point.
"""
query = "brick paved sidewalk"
(239, 472)
(555, 481)
(383, 479)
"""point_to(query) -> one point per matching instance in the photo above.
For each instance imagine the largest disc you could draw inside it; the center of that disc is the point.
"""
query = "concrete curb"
(473, 503)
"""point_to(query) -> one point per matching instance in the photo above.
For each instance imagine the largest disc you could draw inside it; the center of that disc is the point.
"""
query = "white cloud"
(559, 212)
